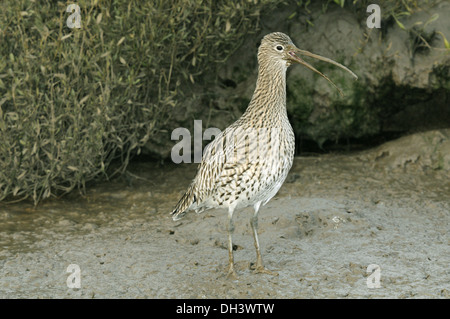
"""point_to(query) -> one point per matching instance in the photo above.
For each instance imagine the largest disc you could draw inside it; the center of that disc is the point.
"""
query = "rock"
(429, 150)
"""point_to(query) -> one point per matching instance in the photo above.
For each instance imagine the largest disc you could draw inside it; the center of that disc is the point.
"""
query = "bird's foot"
(260, 269)
(231, 274)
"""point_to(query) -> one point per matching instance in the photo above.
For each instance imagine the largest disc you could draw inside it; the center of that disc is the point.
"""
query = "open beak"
(293, 56)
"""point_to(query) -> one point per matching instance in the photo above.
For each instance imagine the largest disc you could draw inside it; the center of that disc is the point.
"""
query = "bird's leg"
(259, 268)
(231, 273)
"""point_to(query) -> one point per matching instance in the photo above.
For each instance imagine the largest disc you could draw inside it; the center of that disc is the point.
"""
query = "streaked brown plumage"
(246, 164)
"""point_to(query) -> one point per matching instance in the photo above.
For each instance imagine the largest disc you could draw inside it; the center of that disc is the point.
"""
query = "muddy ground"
(336, 215)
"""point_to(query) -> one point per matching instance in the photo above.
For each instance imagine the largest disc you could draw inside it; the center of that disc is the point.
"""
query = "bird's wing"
(224, 161)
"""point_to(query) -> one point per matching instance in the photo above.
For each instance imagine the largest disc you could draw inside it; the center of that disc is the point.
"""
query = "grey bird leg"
(259, 263)
(231, 273)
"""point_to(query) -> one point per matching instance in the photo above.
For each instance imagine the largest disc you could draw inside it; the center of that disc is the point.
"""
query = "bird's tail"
(183, 204)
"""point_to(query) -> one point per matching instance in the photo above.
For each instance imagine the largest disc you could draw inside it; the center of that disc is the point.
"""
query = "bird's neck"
(269, 98)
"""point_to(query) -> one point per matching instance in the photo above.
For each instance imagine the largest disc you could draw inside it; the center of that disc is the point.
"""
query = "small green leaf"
(399, 23)
(446, 43)
(434, 17)
(340, 2)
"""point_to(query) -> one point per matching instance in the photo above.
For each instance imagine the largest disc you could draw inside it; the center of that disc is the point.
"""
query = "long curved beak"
(293, 55)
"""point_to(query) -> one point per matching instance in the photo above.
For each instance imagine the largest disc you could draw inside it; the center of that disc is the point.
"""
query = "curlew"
(246, 164)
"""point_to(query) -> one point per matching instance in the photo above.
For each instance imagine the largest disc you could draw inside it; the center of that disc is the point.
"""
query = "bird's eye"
(279, 47)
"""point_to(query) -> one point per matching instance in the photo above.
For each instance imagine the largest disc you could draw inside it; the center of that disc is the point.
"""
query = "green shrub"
(73, 100)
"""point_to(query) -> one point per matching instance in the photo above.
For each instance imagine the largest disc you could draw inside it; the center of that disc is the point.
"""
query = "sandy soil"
(335, 216)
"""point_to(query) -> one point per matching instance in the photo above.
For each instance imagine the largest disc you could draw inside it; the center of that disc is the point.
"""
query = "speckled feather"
(261, 165)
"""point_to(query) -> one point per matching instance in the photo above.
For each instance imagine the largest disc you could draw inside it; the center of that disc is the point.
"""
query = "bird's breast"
(256, 165)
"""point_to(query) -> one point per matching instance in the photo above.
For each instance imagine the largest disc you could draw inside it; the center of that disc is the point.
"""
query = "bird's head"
(278, 48)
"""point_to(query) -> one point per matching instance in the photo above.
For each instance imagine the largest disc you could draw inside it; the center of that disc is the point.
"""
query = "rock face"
(403, 85)
(401, 88)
